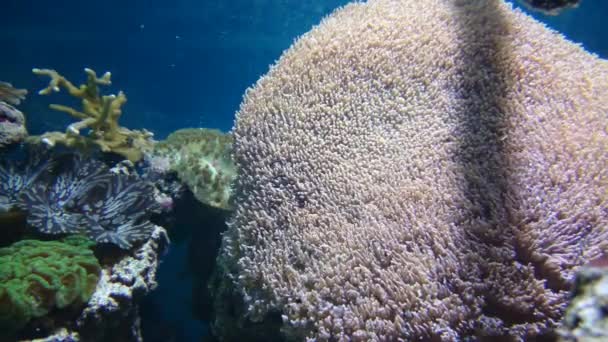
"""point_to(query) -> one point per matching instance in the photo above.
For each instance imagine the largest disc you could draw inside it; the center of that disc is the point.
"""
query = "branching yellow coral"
(99, 113)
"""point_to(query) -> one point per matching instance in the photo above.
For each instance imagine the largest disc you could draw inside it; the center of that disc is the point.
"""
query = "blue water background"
(182, 64)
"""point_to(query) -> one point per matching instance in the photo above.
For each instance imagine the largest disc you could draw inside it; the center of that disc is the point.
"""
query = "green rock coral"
(37, 276)
(201, 158)
(100, 114)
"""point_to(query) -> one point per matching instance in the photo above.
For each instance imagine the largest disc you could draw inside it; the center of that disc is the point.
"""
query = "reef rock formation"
(112, 312)
(12, 121)
(419, 170)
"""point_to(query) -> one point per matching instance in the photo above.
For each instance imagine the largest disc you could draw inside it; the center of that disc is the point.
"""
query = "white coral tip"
(48, 142)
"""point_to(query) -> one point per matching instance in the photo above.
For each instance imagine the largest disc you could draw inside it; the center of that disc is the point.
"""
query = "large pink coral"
(417, 170)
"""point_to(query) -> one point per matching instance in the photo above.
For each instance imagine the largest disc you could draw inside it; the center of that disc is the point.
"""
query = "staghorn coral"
(100, 114)
(201, 158)
(419, 170)
(38, 276)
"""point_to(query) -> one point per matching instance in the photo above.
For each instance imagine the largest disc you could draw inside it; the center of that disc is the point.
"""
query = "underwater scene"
(380, 170)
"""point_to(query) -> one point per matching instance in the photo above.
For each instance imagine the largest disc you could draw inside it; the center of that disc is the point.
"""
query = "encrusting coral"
(39, 276)
(419, 170)
(202, 159)
(100, 114)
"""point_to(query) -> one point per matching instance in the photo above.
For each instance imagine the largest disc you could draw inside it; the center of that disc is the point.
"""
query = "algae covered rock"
(39, 276)
(201, 158)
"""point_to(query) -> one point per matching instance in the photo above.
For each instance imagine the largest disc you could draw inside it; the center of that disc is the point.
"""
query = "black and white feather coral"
(119, 213)
(17, 176)
(52, 207)
(79, 196)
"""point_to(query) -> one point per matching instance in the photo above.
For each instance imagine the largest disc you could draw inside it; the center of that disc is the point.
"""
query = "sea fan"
(52, 208)
(16, 176)
(119, 212)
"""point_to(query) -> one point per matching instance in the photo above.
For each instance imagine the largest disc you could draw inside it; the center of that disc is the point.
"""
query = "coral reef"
(38, 276)
(100, 115)
(201, 158)
(586, 319)
(112, 311)
(419, 170)
(64, 193)
(12, 121)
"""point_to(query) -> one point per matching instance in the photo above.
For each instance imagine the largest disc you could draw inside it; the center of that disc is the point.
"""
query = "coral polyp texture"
(39, 276)
(419, 170)
(100, 115)
(202, 159)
